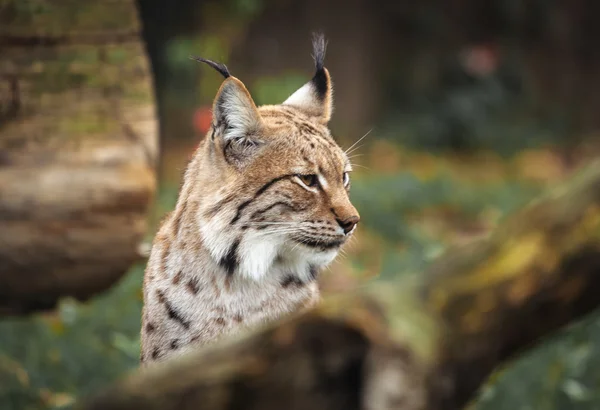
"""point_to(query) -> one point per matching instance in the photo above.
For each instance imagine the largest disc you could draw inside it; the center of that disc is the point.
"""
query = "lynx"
(262, 209)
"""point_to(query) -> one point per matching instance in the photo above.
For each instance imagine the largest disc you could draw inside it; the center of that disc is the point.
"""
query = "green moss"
(69, 16)
(86, 123)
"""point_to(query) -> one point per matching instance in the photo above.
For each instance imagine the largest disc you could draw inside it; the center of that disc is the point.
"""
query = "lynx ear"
(234, 112)
(235, 115)
(316, 97)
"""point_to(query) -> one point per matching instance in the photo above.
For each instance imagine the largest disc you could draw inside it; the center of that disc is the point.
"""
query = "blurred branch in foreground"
(424, 344)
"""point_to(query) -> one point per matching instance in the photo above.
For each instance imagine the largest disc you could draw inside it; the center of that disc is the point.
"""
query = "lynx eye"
(346, 178)
(309, 180)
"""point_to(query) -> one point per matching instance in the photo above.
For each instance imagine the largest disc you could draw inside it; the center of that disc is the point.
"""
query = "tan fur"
(247, 237)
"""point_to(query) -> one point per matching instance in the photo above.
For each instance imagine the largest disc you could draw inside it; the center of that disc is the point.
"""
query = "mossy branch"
(428, 342)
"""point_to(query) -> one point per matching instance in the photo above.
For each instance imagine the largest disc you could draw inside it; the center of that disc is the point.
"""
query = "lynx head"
(270, 183)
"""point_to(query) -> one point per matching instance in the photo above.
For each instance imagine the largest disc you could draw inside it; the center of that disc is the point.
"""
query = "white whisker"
(277, 231)
(271, 223)
(298, 243)
(361, 166)
(359, 140)
(355, 149)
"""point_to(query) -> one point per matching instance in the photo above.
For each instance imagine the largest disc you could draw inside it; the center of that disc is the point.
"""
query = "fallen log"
(426, 342)
(78, 145)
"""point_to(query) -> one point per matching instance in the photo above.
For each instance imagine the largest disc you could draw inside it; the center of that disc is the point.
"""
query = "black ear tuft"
(316, 96)
(320, 79)
(221, 68)
(319, 49)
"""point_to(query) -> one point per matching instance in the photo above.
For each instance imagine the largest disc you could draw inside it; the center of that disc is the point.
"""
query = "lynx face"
(270, 184)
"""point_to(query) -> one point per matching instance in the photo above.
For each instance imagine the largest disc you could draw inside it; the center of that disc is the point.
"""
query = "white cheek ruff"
(256, 252)
(256, 255)
(320, 260)
(216, 237)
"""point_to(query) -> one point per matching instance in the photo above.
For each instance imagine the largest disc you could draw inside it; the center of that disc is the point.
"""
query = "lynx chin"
(263, 208)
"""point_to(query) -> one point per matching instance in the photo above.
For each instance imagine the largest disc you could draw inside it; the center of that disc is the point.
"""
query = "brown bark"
(77, 149)
(426, 342)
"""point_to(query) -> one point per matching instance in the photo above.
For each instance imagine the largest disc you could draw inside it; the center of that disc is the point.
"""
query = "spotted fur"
(263, 208)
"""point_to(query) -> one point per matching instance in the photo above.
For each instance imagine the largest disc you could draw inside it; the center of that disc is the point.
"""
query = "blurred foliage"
(48, 360)
(392, 206)
(276, 89)
(560, 374)
(459, 108)
(224, 23)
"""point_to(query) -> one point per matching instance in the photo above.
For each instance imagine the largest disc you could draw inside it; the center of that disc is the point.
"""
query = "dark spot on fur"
(150, 328)
(193, 286)
(175, 315)
(220, 321)
(155, 353)
(166, 250)
(312, 145)
(142, 357)
(307, 128)
(180, 214)
(172, 312)
(177, 278)
(194, 339)
(238, 318)
(230, 261)
(174, 344)
(290, 280)
(161, 296)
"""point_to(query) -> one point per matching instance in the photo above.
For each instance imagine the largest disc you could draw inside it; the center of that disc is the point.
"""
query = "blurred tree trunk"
(425, 343)
(78, 146)
(165, 24)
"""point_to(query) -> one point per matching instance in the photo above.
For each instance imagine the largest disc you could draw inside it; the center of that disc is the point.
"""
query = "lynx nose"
(348, 223)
